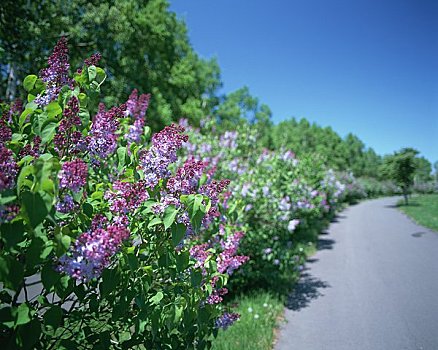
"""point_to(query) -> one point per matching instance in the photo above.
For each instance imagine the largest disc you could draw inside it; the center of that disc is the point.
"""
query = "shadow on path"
(307, 289)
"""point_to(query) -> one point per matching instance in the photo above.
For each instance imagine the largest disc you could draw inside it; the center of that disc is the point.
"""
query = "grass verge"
(423, 209)
(259, 315)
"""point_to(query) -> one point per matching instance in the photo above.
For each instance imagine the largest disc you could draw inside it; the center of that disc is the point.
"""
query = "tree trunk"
(405, 194)
(11, 89)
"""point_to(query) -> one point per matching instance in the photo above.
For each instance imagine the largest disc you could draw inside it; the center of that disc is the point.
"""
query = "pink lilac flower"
(162, 153)
(56, 75)
(226, 320)
(73, 175)
(200, 253)
(93, 60)
(228, 262)
(293, 225)
(103, 137)
(8, 169)
(216, 296)
(126, 196)
(92, 252)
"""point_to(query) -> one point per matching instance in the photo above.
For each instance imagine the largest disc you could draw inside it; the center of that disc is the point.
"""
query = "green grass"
(423, 209)
(260, 313)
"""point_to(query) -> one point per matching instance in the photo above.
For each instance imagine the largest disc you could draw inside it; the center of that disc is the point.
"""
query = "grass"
(259, 315)
(423, 209)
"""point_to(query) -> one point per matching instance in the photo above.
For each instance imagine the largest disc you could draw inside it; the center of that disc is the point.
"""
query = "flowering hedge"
(284, 201)
(124, 244)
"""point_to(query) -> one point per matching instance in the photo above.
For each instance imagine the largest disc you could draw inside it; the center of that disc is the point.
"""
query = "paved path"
(373, 285)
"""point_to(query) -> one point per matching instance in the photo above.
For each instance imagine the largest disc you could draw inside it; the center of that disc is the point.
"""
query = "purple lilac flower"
(56, 75)
(267, 251)
(9, 212)
(228, 139)
(288, 155)
(156, 160)
(226, 320)
(15, 109)
(30, 150)
(265, 191)
(248, 207)
(293, 225)
(276, 262)
(65, 204)
(8, 168)
(200, 253)
(245, 189)
(126, 196)
(73, 175)
(5, 132)
(93, 60)
(187, 177)
(228, 262)
(103, 138)
(92, 252)
(285, 204)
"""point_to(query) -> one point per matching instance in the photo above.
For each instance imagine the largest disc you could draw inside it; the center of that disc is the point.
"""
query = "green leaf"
(22, 177)
(91, 72)
(157, 298)
(195, 278)
(49, 276)
(23, 315)
(48, 132)
(182, 261)
(121, 156)
(35, 207)
(154, 222)
(88, 209)
(178, 233)
(169, 216)
(53, 109)
(29, 334)
(12, 233)
(11, 272)
(53, 316)
(29, 82)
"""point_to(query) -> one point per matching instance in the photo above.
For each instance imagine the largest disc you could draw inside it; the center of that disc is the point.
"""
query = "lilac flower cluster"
(213, 190)
(226, 320)
(216, 296)
(187, 177)
(15, 109)
(56, 75)
(5, 132)
(67, 139)
(9, 212)
(31, 150)
(227, 261)
(126, 196)
(8, 168)
(93, 60)
(136, 107)
(103, 137)
(228, 139)
(293, 225)
(65, 204)
(200, 253)
(92, 252)
(73, 175)
(156, 160)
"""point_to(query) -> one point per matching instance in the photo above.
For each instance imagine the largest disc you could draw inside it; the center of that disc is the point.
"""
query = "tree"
(142, 43)
(401, 167)
(423, 171)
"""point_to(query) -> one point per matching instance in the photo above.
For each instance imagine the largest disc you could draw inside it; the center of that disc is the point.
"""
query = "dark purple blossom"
(136, 106)
(187, 177)
(73, 175)
(8, 169)
(31, 150)
(56, 75)
(93, 60)
(9, 212)
(200, 253)
(216, 296)
(126, 196)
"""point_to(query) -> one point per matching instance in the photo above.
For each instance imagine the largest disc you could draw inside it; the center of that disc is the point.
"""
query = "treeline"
(144, 45)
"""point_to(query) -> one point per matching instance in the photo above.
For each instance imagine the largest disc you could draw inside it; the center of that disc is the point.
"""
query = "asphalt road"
(372, 285)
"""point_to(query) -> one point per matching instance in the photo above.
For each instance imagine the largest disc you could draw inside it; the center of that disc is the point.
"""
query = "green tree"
(143, 44)
(423, 171)
(400, 167)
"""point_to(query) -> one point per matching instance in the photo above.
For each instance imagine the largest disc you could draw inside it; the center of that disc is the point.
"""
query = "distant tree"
(435, 165)
(423, 170)
(143, 45)
(400, 167)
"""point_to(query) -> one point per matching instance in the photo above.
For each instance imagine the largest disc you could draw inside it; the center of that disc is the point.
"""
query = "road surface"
(372, 285)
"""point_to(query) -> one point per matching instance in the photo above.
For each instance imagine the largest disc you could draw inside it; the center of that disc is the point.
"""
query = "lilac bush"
(129, 245)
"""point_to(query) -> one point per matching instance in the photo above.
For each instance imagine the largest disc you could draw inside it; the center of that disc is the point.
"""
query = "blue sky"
(364, 66)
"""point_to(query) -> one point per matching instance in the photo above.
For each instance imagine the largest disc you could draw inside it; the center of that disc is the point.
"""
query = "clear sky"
(364, 66)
